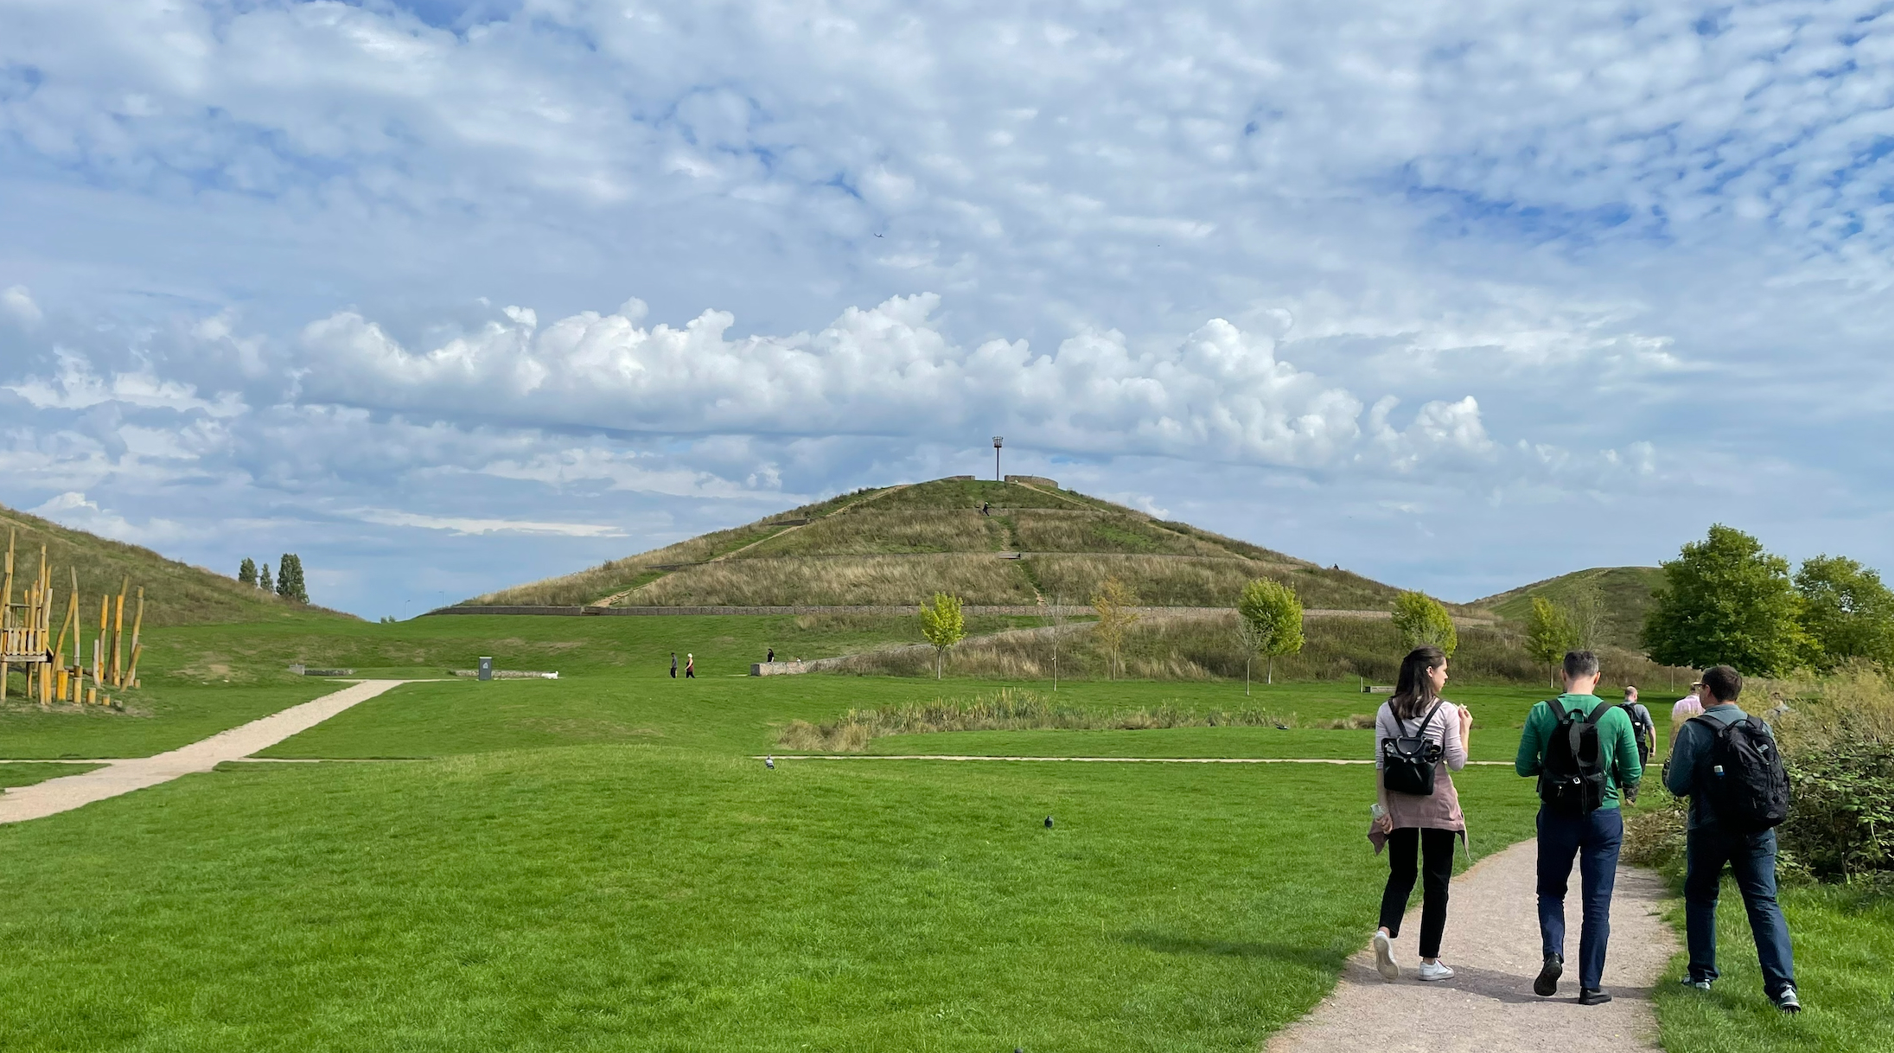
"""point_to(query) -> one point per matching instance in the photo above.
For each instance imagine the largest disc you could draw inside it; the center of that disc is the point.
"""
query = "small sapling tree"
(246, 572)
(1112, 601)
(943, 626)
(1269, 618)
(263, 579)
(1548, 634)
(1423, 621)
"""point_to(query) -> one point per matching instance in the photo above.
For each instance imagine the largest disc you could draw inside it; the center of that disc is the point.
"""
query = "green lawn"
(28, 774)
(1844, 944)
(597, 863)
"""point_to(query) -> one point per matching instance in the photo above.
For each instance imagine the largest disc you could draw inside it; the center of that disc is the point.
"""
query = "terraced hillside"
(988, 542)
(1624, 594)
(175, 593)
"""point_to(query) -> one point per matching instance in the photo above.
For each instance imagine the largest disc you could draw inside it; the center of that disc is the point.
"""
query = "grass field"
(597, 863)
(28, 774)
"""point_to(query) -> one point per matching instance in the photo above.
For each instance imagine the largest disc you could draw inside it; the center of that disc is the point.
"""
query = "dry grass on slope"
(843, 581)
(873, 531)
(1103, 532)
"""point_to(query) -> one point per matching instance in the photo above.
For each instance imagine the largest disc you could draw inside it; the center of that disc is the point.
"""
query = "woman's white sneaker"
(1384, 957)
(1435, 970)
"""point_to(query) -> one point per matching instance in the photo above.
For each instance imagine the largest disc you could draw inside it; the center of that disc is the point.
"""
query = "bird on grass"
(1282, 727)
(770, 763)
(1048, 822)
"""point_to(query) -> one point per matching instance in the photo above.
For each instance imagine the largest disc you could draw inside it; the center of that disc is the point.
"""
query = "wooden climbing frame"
(27, 640)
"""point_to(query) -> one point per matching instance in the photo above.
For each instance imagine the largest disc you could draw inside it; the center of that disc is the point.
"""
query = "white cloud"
(16, 301)
(73, 509)
(76, 386)
(463, 525)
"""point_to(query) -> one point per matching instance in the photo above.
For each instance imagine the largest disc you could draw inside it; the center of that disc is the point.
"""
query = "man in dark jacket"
(1708, 845)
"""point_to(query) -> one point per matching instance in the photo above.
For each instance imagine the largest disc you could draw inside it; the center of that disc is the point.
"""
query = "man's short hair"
(1723, 682)
(1580, 664)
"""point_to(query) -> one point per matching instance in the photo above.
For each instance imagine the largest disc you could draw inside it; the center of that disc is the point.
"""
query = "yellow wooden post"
(98, 646)
(118, 629)
(131, 675)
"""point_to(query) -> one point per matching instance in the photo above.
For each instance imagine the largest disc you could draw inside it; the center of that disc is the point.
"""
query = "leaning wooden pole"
(98, 645)
(138, 622)
(118, 632)
(6, 610)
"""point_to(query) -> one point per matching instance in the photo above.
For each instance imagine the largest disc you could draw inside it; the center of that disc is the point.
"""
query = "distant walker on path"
(771, 657)
(1585, 754)
(1418, 736)
(1725, 761)
(674, 665)
(690, 667)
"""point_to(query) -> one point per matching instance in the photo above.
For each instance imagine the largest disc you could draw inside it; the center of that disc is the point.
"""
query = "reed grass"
(1008, 709)
(875, 531)
(855, 580)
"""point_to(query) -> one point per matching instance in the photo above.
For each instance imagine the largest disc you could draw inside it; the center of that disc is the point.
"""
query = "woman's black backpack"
(1572, 773)
(1407, 762)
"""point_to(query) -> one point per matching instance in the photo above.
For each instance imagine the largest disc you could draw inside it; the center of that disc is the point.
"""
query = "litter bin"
(486, 668)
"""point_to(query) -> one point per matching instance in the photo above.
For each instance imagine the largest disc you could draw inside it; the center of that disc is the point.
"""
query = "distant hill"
(1626, 592)
(175, 593)
(900, 544)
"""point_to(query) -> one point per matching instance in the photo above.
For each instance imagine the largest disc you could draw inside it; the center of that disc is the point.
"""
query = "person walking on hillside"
(674, 665)
(771, 657)
(690, 667)
(1687, 707)
(1584, 754)
(1702, 758)
(1418, 736)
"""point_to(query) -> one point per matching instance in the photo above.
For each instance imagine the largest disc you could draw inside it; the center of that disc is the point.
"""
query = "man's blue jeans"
(1752, 859)
(1595, 840)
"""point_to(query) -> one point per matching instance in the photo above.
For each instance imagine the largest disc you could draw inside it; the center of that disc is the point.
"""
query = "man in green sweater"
(1592, 834)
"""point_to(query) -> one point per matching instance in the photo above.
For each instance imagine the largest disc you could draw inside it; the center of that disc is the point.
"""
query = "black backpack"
(1407, 761)
(1747, 781)
(1572, 776)
(1644, 731)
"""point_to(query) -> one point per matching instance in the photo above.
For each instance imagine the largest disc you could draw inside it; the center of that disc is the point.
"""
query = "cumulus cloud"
(76, 386)
(18, 303)
(74, 509)
(1220, 394)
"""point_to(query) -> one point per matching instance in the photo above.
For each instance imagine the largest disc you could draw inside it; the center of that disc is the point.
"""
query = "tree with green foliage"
(1269, 617)
(943, 627)
(1584, 605)
(263, 579)
(1423, 621)
(289, 578)
(246, 572)
(1548, 634)
(1112, 602)
(1846, 611)
(1725, 601)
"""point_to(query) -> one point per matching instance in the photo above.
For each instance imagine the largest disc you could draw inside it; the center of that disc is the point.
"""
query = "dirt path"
(1493, 944)
(123, 776)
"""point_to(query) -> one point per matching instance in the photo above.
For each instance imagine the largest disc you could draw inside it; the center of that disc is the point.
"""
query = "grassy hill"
(175, 593)
(1626, 592)
(900, 544)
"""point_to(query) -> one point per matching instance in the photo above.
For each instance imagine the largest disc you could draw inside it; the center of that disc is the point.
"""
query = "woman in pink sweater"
(1415, 824)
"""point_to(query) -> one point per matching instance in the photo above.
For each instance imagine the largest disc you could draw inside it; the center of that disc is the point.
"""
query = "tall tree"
(1726, 601)
(1846, 611)
(1272, 619)
(943, 626)
(246, 572)
(289, 578)
(1422, 621)
(1112, 601)
(263, 579)
(1548, 634)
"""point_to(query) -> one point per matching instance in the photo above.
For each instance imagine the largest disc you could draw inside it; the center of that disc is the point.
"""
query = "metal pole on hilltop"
(996, 459)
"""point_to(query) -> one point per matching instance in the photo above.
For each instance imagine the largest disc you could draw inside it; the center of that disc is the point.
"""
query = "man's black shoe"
(1786, 1000)
(1598, 997)
(1547, 984)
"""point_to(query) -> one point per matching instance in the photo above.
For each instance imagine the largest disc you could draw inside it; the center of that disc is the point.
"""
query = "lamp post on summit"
(996, 458)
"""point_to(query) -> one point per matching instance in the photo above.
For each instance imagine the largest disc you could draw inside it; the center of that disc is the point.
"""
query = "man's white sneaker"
(1384, 957)
(1435, 970)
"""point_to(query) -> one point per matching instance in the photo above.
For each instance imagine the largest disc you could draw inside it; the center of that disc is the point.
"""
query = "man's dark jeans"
(1752, 859)
(1595, 840)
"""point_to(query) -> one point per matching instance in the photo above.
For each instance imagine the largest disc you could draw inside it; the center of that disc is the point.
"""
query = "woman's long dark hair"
(1414, 692)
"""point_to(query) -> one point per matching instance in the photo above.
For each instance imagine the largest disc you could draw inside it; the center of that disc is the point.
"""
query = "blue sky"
(445, 297)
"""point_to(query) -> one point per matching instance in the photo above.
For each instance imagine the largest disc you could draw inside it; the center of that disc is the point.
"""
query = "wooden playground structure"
(27, 641)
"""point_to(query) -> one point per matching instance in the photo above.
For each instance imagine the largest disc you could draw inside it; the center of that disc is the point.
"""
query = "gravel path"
(1493, 944)
(123, 776)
